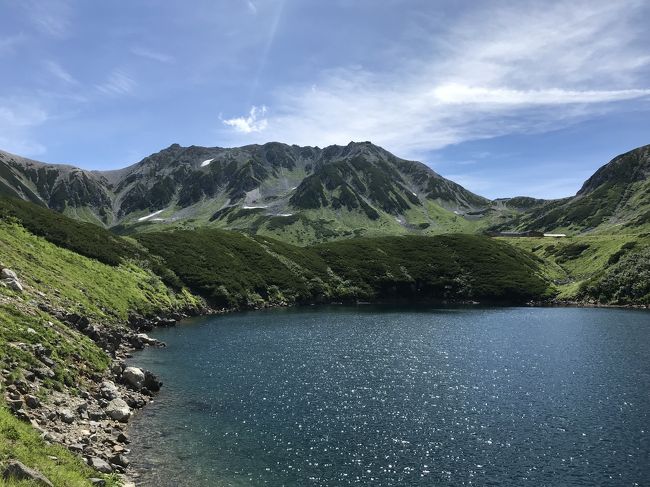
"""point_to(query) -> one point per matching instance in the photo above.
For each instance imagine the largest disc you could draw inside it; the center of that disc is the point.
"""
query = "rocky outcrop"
(16, 471)
(9, 278)
(118, 409)
(133, 377)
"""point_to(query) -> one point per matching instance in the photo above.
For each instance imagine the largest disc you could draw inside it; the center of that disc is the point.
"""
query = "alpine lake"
(399, 396)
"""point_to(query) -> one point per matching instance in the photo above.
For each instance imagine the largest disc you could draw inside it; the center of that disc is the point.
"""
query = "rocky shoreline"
(90, 419)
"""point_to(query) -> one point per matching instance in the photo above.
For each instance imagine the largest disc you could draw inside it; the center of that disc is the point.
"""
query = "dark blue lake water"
(406, 397)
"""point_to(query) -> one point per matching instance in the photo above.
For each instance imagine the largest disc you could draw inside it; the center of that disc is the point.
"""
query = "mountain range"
(309, 194)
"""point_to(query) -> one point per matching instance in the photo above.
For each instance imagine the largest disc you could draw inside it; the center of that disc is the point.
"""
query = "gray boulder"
(8, 274)
(17, 471)
(66, 415)
(118, 410)
(108, 390)
(32, 401)
(14, 284)
(134, 377)
(15, 404)
(100, 465)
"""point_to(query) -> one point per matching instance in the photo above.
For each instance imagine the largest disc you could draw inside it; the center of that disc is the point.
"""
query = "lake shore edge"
(95, 409)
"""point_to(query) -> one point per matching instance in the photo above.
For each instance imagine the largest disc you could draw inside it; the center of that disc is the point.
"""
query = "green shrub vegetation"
(440, 267)
(626, 281)
(603, 269)
(235, 270)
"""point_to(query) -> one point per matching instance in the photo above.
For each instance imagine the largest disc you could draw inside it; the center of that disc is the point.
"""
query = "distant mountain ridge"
(324, 192)
(308, 194)
(615, 198)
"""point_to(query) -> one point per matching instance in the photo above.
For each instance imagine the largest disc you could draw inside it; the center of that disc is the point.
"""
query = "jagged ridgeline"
(305, 195)
(301, 194)
(615, 199)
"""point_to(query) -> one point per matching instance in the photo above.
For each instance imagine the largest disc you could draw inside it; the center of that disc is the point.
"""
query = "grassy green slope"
(19, 441)
(77, 283)
(603, 269)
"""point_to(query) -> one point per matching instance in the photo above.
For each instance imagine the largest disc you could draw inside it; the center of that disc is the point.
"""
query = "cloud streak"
(52, 18)
(56, 70)
(118, 84)
(517, 68)
(152, 55)
(8, 44)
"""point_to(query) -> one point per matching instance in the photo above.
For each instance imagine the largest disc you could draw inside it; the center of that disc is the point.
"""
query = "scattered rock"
(14, 284)
(147, 339)
(118, 410)
(76, 447)
(123, 438)
(96, 414)
(98, 482)
(136, 402)
(108, 390)
(44, 373)
(17, 471)
(66, 416)
(151, 382)
(100, 465)
(8, 274)
(32, 401)
(15, 404)
(134, 377)
(120, 460)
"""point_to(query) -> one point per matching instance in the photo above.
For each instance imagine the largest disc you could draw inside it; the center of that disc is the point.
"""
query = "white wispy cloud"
(18, 117)
(8, 44)
(253, 122)
(118, 83)
(454, 93)
(52, 17)
(56, 70)
(252, 8)
(507, 67)
(152, 54)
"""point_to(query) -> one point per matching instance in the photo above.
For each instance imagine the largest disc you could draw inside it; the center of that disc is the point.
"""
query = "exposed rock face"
(118, 409)
(17, 471)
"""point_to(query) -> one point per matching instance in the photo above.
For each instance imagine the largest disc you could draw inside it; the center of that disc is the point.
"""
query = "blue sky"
(504, 97)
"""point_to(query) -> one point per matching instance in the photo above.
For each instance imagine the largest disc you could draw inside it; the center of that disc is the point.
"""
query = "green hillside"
(616, 199)
(235, 270)
(594, 269)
